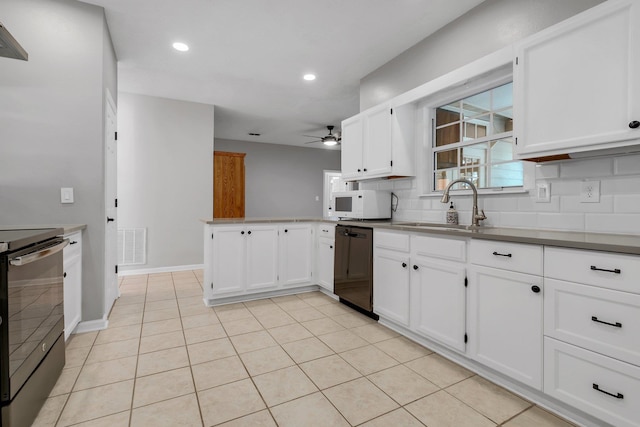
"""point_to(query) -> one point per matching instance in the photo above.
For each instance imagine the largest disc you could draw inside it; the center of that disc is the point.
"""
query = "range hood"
(9, 47)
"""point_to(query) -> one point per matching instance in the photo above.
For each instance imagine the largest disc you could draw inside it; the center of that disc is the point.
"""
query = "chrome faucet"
(475, 216)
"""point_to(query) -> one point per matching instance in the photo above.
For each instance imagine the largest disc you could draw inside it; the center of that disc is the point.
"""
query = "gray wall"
(51, 125)
(485, 29)
(281, 180)
(165, 176)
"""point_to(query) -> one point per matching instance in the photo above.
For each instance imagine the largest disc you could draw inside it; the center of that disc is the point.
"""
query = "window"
(473, 139)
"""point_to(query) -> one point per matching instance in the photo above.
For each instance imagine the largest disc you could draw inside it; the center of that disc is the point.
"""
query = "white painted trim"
(160, 270)
(92, 325)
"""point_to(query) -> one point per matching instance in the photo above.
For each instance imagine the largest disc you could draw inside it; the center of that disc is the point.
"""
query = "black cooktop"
(13, 239)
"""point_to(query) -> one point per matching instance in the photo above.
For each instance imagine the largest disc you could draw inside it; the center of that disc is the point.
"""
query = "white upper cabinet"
(379, 143)
(576, 85)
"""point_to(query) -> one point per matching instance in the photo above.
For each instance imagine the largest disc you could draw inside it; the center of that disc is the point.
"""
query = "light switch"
(543, 192)
(66, 195)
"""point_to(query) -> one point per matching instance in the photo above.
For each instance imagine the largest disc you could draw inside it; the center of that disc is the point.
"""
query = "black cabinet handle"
(359, 170)
(249, 232)
(615, 325)
(286, 231)
(415, 267)
(64, 274)
(617, 395)
(330, 247)
(616, 270)
(404, 265)
(110, 219)
(535, 289)
(499, 254)
(364, 170)
(242, 232)
(73, 242)
(634, 124)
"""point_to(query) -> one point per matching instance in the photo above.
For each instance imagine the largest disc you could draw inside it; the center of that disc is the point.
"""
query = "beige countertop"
(620, 243)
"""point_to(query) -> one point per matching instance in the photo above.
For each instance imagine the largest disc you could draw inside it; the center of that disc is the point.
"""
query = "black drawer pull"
(616, 325)
(499, 254)
(535, 289)
(617, 396)
(415, 267)
(73, 242)
(404, 265)
(616, 271)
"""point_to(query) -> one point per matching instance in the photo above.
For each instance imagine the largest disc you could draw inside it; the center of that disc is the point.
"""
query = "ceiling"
(247, 57)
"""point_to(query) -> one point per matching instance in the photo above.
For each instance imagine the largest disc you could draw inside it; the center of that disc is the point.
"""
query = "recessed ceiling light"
(180, 46)
(309, 77)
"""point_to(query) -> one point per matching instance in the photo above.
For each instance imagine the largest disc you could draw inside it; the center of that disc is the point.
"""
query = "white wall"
(51, 125)
(281, 180)
(165, 176)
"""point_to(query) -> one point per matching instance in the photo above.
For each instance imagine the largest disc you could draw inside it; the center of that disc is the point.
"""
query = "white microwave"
(362, 204)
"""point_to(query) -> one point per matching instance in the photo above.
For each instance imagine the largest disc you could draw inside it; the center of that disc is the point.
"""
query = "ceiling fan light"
(330, 142)
(309, 77)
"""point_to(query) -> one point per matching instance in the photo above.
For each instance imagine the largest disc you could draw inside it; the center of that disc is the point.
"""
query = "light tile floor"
(301, 360)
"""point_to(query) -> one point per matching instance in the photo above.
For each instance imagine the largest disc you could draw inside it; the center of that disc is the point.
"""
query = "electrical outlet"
(590, 192)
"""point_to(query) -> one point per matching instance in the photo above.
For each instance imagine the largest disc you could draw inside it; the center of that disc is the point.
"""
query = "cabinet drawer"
(437, 247)
(601, 386)
(391, 240)
(327, 230)
(74, 248)
(603, 269)
(597, 319)
(517, 257)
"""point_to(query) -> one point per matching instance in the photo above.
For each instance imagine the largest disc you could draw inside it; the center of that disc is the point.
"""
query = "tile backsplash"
(618, 210)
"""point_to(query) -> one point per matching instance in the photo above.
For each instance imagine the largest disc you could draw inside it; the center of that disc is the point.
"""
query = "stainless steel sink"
(438, 225)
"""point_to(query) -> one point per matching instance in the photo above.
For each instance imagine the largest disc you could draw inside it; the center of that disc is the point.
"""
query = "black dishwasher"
(353, 267)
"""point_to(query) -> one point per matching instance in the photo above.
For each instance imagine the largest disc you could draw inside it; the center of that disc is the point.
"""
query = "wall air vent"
(9, 47)
(132, 246)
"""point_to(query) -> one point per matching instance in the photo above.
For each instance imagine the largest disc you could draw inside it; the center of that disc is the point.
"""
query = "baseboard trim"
(160, 270)
(92, 325)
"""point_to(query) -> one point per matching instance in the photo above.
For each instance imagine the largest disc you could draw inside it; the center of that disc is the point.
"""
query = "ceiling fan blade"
(312, 136)
(313, 142)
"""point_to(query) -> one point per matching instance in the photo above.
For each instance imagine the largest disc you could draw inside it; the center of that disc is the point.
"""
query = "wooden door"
(228, 184)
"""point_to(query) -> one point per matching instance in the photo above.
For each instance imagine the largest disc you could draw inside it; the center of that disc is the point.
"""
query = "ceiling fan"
(331, 139)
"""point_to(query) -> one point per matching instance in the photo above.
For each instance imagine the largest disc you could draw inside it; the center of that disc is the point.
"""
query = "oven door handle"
(38, 255)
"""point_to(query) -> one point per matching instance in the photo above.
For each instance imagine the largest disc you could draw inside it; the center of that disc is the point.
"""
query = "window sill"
(481, 192)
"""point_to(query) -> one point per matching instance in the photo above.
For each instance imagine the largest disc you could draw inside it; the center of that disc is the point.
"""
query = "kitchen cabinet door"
(325, 263)
(576, 84)
(72, 255)
(505, 322)
(261, 257)
(229, 265)
(438, 301)
(296, 245)
(352, 147)
(377, 146)
(391, 285)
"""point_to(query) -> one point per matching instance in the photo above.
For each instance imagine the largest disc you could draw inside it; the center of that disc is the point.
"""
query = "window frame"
(427, 112)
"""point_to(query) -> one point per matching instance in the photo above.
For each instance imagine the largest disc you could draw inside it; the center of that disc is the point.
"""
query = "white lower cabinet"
(252, 258)
(415, 288)
(592, 333)
(72, 256)
(391, 279)
(325, 254)
(244, 259)
(438, 301)
(295, 245)
(601, 386)
(438, 291)
(505, 322)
